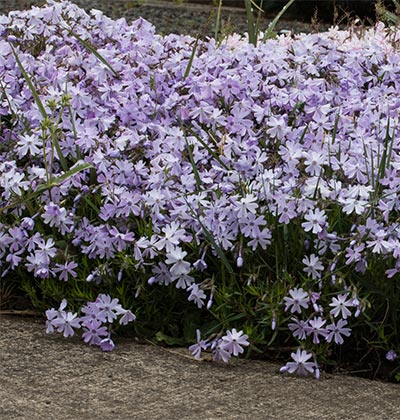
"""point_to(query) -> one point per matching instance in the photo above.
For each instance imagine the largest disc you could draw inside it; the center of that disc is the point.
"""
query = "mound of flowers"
(262, 182)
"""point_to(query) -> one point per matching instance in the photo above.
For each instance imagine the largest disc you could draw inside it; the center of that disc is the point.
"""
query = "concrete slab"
(48, 377)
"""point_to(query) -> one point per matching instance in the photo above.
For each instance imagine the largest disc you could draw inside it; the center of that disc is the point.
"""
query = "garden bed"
(206, 191)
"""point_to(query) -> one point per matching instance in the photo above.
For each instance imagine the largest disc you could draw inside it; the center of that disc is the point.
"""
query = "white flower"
(179, 266)
(340, 305)
(313, 266)
(315, 221)
(299, 299)
(28, 144)
(300, 365)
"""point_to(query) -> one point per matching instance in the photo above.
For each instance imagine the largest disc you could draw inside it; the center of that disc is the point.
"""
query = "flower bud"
(239, 261)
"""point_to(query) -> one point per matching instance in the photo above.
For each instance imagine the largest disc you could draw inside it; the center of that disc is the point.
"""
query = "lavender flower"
(313, 266)
(391, 355)
(298, 299)
(66, 322)
(197, 295)
(233, 342)
(106, 344)
(108, 308)
(220, 353)
(66, 270)
(93, 332)
(315, 221)
(340, 306)
(315, 328)
(335, 331)
(200, 345)
(298, 328)
(301, 366)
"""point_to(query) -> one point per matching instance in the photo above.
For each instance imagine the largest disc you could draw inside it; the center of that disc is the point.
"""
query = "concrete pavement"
(48, 377)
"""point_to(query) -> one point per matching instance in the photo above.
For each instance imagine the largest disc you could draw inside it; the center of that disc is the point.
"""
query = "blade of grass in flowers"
(192, 162)
(211, 240)
(72, 119)
(387, 151)
(269, 33)
(14, 114)
(303, 134)
(54, 182)
(74, 170)
(335, 127)
(260, 12)
(251, 28)
(56, 144)
(370, 176)
(89, 47)
(299, 105)
(58, 180)
(207, 147)
(384, 161)
(218, 20)
(41, 108)
(30, 84)
(190, 63)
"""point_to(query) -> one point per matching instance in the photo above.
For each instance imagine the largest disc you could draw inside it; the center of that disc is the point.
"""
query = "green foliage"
(389, 15)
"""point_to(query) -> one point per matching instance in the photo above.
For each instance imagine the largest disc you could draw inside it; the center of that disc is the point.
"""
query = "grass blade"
(89, 47)
(271, 27)
(190, 63)
(192, 162)
(251, 29)
(30, 84)
(207, 147)
(218, 21)
(41, 108)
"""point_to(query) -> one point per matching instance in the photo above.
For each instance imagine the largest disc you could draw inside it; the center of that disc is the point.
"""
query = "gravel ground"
(171, 17)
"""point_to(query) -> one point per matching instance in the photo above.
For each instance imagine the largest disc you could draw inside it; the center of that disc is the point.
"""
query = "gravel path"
(171, 17)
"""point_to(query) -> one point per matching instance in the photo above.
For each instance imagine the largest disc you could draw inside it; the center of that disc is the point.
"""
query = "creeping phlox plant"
(315, 326)
(260, 184)
(93, 323)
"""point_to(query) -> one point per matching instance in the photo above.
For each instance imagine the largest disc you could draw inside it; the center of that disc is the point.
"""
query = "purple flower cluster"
(189, 162)
(222, 348)
(96, 316)
(330, 329)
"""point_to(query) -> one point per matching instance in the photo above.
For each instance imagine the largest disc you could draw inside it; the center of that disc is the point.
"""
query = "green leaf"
(250, 23)
(190, 63)
(42, 110)
(270, 30)
(89, 47)
(53, 182)
(74, 170)
(192, 162)
(218, 20)
(30, 84)
(207, 147)
(56, 145)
